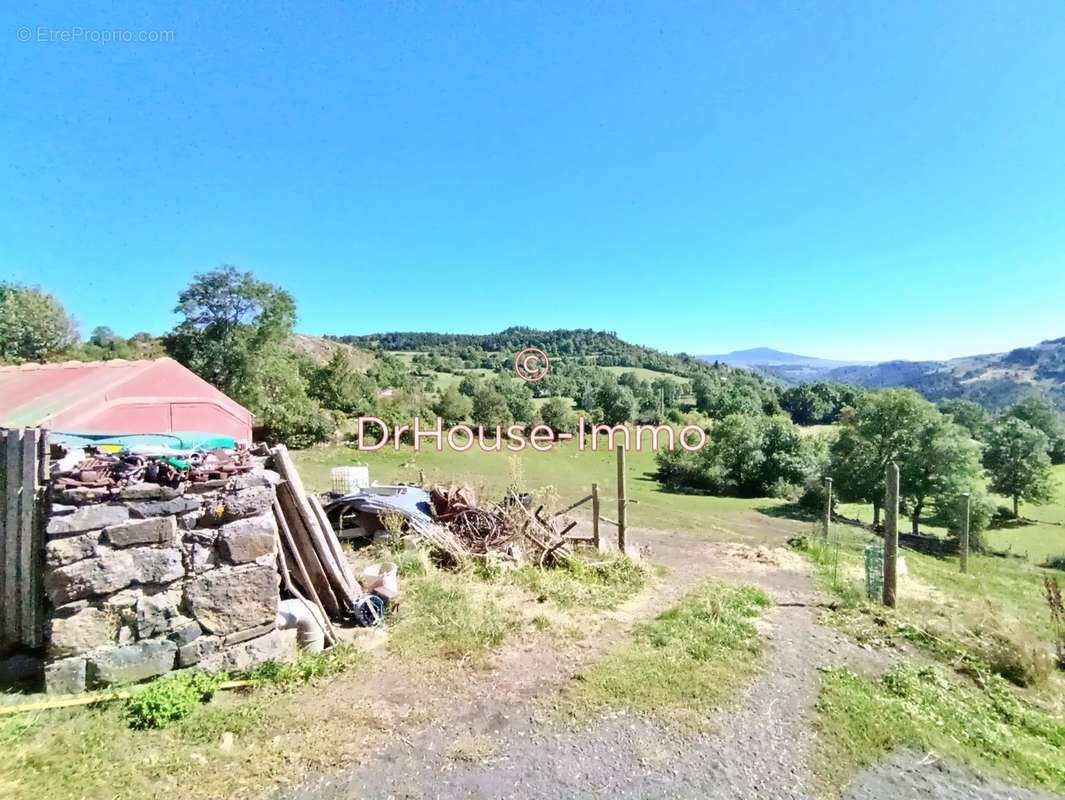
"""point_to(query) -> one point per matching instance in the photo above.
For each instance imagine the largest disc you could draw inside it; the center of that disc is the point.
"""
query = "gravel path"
(494, 747)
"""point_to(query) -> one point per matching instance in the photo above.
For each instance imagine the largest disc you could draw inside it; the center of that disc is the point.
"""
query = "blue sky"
(850, 180)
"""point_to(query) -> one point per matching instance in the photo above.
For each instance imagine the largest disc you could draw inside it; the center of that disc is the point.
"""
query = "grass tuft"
(683, 664)
(987, 727)
(601, 585)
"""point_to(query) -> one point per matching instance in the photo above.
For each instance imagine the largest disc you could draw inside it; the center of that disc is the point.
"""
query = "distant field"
(645, 374)
(1047, 538)
(570, 473)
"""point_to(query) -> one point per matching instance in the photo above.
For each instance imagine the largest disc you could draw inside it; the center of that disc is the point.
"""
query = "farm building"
(118, 397)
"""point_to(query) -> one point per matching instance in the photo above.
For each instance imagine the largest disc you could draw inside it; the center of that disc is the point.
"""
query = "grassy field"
(646, 374)
(1046, 537)
(565, 472)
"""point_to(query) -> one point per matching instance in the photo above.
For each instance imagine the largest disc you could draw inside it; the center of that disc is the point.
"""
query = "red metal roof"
(159, 396)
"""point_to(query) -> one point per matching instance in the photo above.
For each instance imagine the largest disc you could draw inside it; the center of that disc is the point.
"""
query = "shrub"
(170, 698)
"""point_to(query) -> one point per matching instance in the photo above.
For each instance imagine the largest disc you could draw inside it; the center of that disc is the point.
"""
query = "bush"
(170, 698)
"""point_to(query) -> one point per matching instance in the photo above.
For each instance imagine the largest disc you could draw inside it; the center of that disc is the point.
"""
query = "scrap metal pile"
(94, 468)
(507, 529)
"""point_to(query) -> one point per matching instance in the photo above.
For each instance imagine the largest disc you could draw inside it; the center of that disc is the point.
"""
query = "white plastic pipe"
(306, 619)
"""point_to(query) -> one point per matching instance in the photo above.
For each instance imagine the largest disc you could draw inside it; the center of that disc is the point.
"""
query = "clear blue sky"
(859, 180)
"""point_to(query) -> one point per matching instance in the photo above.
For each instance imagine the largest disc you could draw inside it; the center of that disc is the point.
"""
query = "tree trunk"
(1016, 506)
(876, 515)
(916, 519)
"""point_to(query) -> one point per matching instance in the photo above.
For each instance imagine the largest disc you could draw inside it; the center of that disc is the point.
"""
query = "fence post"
(828, 507)
(891, 533)
(595, 515)
(963, 537)
(621, 499)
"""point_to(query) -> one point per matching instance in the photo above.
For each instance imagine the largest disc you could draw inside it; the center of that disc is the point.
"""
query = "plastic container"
(350, 480)
(381, 577)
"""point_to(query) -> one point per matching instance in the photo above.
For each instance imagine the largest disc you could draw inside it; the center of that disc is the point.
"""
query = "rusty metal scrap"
(100, 470)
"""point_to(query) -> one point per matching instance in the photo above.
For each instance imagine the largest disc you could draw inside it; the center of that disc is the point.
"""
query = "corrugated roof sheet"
(35, 394)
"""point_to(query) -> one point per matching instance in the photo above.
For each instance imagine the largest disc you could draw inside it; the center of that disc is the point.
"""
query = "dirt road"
(491, 742)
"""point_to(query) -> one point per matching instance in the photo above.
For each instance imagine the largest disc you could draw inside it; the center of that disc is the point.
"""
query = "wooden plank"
(5, 642)
(37, 584)
(12, 469)
(27, 563)
(621, 500)
(571, 506)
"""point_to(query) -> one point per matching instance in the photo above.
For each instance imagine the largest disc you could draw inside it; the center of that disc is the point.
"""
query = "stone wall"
(146, 579)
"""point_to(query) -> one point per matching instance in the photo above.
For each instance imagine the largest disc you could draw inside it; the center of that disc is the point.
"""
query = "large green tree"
(33, 325)
(939, 464)
(881, 427)
(1016, 457)
(1042, 416)
(233, 334)
(230, 320)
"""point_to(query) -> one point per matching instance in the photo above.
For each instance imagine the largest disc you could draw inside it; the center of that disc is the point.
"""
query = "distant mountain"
(995, 380)
(786, 367)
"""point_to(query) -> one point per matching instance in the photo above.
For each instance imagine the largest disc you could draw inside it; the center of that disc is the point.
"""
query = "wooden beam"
(621, 499)
(572, 506)
(27, 561)
(13, 473)
(595, 515)
(891, 533)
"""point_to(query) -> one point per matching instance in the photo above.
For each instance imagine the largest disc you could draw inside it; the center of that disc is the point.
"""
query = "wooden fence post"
(963, 537)
(891, 533)
(828, 507)
(621, 499)
(595, 516)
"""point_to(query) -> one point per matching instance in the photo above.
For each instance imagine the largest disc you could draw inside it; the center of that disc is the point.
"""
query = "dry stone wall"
(148, 578)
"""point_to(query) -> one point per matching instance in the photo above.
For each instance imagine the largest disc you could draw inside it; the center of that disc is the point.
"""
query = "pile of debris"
(101, 470)
(449, 520)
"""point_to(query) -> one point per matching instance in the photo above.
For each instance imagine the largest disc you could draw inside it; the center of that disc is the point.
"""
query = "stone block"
(157, 613)
(112, 570)
(158, 530)
(101, 575)
(132, 663)
(251, 633)
(164, 508)
(66, 676)
(185, 633)
(195, 651)
(74, 630)
(149, 491)
(60, 552)
(263, 477)
(245, 540)
(251, 502)
(274, 646)
(87, 518)
(228, 600)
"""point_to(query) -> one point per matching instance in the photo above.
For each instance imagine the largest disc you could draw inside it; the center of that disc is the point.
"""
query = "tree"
(102, 336)
(1016, 457)
(1042, 416)
(276, 393)
(971, 416)
(490, 407)
(338, 386)
(230, 320)
(33, 325)
(468, 385)
(233, 335)
(617, 402)
(940, 464)
(556, 415)
(881, 427)
(453, 407)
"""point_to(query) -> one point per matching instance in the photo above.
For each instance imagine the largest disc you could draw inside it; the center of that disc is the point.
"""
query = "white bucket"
(349, 480)
(383, 576)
